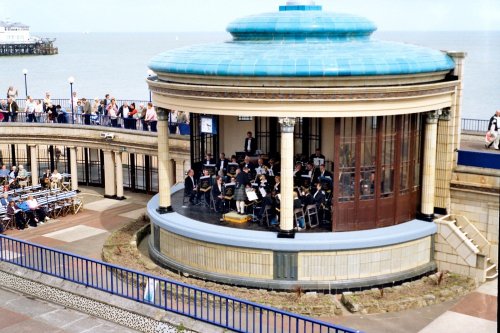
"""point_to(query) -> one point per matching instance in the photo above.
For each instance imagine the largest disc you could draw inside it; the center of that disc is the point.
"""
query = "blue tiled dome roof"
(302, 41)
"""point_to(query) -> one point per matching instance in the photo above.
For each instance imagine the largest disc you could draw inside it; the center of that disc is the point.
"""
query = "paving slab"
(75, 233)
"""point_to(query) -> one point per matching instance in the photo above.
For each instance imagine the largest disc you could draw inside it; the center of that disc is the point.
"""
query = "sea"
(116, 63)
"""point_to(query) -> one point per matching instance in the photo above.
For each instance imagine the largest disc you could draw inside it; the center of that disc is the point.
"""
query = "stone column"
(286, 204)
(179, 170)
(119, 175)
(34, 165)
(429, 165)
(165, 205)
(74, 168)
(444, 161)
(109, 175)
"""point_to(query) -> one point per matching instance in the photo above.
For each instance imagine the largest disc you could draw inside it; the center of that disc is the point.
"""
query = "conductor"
(250, 144)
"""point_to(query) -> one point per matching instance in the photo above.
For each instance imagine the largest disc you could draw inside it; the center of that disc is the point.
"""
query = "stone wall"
(475, 194)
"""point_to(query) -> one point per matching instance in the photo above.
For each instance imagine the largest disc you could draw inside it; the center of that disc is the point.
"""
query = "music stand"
(318, 161)
(228, 194)
(210, 168)
(205, 187)
(231, 169)
(305, 181)
(326, 184)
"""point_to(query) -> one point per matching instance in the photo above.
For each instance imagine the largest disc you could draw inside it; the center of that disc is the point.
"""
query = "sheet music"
(252, 196)
(318, 161)
(262, 192)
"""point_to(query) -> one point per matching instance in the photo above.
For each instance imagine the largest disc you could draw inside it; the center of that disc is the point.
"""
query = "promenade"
(22, 313)
(86, 233)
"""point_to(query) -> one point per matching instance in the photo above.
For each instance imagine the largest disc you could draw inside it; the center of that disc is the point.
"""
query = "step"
(492, 277)
(492, 267)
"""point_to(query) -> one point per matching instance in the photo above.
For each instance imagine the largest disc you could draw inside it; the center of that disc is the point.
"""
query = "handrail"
(475, 125)
(201, 304)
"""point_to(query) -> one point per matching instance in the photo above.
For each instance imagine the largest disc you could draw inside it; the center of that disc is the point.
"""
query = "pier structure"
(43, 46)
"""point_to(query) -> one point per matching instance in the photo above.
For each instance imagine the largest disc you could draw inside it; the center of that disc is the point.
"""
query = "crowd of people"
(251, 186)
(104, 112)
(27, 212)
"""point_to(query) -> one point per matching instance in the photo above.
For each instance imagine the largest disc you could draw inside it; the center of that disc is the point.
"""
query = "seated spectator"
(55, 179)
(36, 212)
(13, 176)
(16, 212)
(22, 176)
(4, 175)
(45, 179)
(4, 200)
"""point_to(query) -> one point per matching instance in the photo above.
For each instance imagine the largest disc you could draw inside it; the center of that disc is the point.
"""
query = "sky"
(214, 15)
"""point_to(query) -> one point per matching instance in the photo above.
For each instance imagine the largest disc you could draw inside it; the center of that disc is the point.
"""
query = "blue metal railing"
(474, 125)
(201, 304)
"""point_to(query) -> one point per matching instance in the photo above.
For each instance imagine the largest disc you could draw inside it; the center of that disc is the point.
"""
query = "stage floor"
(205, 214)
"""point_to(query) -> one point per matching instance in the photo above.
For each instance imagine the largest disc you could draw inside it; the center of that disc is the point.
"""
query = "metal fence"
(201, 304)
(474, 125)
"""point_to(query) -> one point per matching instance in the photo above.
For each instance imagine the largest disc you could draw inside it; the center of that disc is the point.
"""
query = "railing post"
(87, 272)
(111, 278)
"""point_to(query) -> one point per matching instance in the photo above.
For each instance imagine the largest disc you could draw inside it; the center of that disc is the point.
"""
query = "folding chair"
(312, 216)
(298, 213)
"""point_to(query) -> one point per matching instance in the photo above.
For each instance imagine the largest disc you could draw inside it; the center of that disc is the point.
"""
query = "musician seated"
(297, 204)
(319, 196)
(306, 197)
(218, 194)
(22, 176)
(277, 186)
(55, 179)
(297, 174)
(271, 202)
(222, 164)
(261, 168)
(36, 212)
(14, 210)
(190, 187)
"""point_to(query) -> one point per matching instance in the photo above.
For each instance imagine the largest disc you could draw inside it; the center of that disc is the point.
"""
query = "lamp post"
(25, 72)
(71, 80)
(150, 73)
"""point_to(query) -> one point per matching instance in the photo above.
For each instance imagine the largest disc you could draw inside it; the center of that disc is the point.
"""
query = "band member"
(250, 144)
(222, 164)
(190, 186)
(218, 194)
(242, 180)
(317, 157)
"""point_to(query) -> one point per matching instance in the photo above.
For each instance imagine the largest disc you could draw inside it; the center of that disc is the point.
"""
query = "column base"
(120, 198)
(165, 210)
(77, 191)
(286, 234)
(425, 217)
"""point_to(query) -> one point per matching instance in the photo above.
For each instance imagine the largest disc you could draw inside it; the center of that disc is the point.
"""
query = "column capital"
(287, 124)
(445, 115)
(432, 117)
(162, 114)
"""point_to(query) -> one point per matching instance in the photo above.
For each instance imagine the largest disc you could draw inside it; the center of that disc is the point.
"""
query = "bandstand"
(385, 115)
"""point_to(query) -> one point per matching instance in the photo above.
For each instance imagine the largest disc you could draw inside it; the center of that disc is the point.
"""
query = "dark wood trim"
(336, 175)
(397, 165)
(378, 167)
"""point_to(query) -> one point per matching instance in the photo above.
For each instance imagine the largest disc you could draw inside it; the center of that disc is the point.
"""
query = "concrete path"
(19, 314)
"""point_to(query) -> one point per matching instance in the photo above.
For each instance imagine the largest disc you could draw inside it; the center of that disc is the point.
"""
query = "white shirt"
(32, 204)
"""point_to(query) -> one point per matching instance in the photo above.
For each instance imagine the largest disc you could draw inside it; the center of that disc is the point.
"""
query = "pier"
(43, 46)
